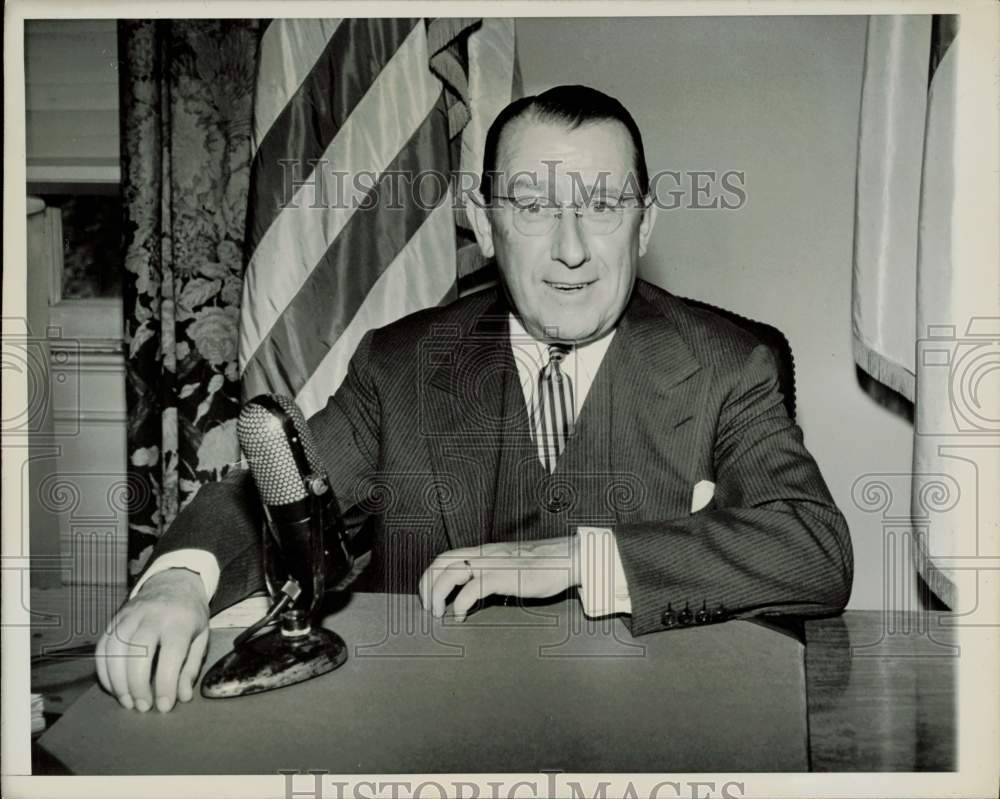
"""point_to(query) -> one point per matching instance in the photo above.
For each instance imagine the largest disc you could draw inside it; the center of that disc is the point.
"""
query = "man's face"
(572, 283)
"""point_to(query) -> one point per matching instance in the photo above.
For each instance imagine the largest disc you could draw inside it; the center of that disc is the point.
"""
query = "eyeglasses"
(536, 216)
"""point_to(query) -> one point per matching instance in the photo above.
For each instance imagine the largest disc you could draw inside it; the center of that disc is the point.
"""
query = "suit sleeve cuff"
(199, 561)
(603, 586)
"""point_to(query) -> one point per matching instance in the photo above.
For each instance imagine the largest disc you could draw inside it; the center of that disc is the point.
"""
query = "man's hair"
(571, 106)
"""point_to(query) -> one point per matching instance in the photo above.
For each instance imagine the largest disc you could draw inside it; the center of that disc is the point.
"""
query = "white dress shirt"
(603, 587)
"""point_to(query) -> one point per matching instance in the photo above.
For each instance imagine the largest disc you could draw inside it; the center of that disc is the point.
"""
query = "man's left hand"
(530, 569)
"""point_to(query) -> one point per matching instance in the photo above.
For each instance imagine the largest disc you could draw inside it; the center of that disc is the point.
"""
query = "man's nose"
(568, 245)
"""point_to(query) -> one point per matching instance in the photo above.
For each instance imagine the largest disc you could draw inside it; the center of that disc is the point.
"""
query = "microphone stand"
(298, 648)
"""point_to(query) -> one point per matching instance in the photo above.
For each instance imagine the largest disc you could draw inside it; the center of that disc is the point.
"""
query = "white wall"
(777, 98)
(78, 475)
(71, 97)
(71, 134)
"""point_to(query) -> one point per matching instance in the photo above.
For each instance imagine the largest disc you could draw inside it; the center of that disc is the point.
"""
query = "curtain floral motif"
(186, 105)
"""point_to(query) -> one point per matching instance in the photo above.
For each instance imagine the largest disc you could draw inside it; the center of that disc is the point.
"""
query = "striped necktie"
(554, 424)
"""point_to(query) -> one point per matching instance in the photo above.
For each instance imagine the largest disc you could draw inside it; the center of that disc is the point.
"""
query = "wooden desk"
(530, 689)
(513, 689)
(881, 692)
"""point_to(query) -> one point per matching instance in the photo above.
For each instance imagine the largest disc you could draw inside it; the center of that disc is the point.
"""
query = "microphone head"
(278, 446)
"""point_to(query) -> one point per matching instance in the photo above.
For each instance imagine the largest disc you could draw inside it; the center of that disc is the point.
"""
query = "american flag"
(922, 324)
(359, 124)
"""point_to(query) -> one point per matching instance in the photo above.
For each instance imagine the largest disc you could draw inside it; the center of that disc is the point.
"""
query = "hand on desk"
(168, 618)
(170, 613)
(530, 569)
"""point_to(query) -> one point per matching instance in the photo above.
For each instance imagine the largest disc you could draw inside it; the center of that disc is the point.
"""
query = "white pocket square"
(703, 492)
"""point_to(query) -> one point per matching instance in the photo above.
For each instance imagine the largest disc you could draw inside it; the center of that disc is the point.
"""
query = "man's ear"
(475, 208)
(646, 226)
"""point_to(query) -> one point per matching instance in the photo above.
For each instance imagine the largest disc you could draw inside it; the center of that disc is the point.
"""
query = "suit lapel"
(656, 384)
(466, 413)
(650, 347)
(653, 385)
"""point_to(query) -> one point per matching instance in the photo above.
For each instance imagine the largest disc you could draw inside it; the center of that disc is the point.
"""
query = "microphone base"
(273, 660)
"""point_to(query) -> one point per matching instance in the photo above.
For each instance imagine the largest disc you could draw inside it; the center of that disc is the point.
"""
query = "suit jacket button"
(702, 616)
(718, 615)
(685, 617)
(669, 619)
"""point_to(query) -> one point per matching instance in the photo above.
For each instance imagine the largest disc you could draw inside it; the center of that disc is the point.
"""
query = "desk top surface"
(882, 691)
(513, 689)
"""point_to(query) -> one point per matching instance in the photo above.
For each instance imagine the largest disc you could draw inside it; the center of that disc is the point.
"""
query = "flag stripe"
(331, 256)
(337, 285)
(367, 142)
(450, 62)
(887, 198)
(421, 276)
(491, 75)
(289, 51)
(355, 55)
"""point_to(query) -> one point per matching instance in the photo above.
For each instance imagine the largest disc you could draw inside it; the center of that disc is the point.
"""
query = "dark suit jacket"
(414, 436)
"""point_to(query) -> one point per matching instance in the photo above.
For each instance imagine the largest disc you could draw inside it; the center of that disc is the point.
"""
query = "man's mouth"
(569, 288)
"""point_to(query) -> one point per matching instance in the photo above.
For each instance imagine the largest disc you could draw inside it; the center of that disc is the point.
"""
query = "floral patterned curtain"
(186, 109)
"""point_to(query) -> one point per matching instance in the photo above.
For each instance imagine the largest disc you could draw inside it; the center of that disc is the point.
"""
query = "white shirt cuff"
(196, 560)
(603, 586)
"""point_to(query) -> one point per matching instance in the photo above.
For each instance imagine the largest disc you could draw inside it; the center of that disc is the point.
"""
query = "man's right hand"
(169, 614)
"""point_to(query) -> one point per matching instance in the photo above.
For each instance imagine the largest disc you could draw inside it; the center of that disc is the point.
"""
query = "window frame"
(95, 324)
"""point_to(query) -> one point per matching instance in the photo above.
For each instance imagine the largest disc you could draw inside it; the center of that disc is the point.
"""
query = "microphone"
(305, 553)
(307, 542)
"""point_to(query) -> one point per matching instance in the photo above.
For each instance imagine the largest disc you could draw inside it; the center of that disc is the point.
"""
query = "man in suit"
(576, 428)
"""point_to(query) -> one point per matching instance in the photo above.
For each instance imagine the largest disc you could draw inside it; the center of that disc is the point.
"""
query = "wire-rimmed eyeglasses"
(538, 216)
